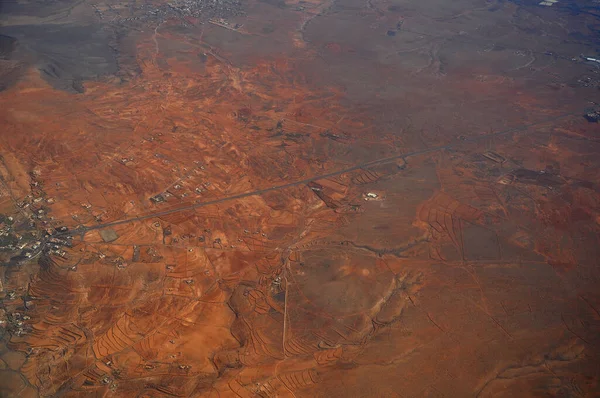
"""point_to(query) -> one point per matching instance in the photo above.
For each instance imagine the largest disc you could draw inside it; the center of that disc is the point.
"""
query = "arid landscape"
(282, 198)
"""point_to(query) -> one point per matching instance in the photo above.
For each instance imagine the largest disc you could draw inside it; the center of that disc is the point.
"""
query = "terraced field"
(299, 199)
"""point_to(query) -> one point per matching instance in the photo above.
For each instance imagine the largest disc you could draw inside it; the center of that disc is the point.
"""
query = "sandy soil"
(299, 199)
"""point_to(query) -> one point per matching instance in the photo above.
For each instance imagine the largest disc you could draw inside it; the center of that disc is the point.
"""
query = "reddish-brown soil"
(309, 199)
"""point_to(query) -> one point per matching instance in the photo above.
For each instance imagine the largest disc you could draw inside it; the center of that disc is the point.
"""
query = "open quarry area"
(289, 198)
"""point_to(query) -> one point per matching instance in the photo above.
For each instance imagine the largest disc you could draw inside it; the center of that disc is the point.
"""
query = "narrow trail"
(84, 229)
(156, 49)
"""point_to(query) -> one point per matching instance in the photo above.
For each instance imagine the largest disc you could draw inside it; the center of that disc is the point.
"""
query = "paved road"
(372, 163)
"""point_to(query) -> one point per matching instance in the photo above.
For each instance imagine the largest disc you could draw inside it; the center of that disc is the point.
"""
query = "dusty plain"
(285, 198)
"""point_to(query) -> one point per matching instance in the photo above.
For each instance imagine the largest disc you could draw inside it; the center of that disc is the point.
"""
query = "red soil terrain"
(337, 199)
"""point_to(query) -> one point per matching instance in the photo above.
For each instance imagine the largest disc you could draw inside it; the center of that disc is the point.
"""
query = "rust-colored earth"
(280, 198)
